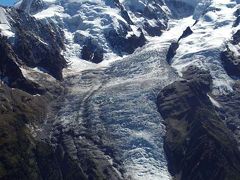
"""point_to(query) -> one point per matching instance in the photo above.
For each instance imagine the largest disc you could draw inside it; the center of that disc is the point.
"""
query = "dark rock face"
(201, 78)
(237, 14)
(229, 111)
(172, 51)
(121, 44)
(37, 44)
(36, 6)
(186, 33)
(231, 65)
(10, 72)
(119, 40)
(22, 156)
(31, 6)
(230, 60)
(236, 38)
(92, 52)
(153, 30)
(175, 45)
(198, 144)
(18, 108)
(81, 154)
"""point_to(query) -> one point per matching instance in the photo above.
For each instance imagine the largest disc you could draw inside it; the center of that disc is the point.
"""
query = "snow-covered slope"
(95, 30)
(210, 33)
(5, 27)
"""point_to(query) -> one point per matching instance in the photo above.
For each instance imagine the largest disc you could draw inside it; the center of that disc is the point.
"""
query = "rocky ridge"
(198, 144)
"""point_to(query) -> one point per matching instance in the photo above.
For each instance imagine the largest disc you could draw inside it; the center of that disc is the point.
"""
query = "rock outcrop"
(231, 56)
(22, 155)
(175, 45)
(121, 44)
(10, 73)
(35, 43)
(198, 144)
(92, 52)
(38, 44)
(229, 110)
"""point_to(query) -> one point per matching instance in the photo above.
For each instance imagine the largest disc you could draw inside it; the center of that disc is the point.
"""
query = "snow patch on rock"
(5, 27)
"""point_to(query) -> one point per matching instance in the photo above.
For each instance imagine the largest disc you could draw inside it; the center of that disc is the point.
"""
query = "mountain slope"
(97, 29)
(128, 89)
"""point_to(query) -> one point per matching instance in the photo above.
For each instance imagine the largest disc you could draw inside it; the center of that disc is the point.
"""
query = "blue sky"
(7, 2)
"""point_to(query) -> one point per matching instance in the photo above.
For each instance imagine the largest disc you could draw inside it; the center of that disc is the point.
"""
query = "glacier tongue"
(116, 104)
(113, 105)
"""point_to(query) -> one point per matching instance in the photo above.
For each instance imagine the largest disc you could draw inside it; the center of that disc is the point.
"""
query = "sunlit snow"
(204, 46)
(5, 27)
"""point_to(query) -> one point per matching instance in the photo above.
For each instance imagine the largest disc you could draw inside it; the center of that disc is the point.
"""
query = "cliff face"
(18, 109)
(34, 43)
(231, 56)
(10, 72)
(22, 154)
(198, 144)
(38, 44)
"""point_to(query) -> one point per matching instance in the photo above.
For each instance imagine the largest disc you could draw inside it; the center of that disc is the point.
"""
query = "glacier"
(119, 97)
(115, 101)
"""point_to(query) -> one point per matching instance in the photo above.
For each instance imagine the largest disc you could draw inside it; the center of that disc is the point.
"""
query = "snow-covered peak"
(108, 27)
